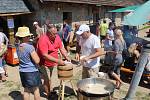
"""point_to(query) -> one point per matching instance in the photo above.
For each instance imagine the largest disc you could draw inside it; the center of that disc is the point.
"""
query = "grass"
(77, 77)
(146, 97)
(70, 98)
(3, 95)
(13, 86)
(8, 87)
(142, 96)
(9, 84)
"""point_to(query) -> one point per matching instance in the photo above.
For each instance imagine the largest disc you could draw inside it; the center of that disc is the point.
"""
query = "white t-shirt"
(111, 33)
(88, 47)
(3, 37)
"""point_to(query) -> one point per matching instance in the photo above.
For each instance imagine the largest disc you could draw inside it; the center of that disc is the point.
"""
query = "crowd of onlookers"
(40, 55)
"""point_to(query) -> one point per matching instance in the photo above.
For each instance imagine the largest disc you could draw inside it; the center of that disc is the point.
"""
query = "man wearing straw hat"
(28, 60)
(47, 48)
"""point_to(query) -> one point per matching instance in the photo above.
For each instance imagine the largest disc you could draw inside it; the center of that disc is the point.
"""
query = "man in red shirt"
(47, 48)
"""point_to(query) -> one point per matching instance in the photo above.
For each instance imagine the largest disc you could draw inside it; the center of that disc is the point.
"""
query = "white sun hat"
(83, 28)
(23, 32)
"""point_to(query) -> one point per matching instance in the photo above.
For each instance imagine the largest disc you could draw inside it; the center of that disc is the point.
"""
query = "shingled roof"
(122, 3)
(12, 7)
(103, 2)
(76, 1)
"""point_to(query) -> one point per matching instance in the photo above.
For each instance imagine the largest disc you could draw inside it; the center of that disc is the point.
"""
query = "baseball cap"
(83, 28)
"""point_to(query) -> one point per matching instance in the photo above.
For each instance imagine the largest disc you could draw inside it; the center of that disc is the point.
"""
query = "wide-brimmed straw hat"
(23, 32)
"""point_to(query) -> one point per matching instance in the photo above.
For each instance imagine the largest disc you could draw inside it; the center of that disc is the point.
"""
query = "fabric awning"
(126, 9)
(13, 7)
(140, 16)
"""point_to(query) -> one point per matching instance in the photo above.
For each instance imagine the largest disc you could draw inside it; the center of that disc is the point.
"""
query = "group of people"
(118, 51)
(64, 32)
(42, 59)
(113, 43)
(39, 58)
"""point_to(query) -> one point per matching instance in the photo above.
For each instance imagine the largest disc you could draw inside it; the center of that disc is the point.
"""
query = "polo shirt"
(45, 45)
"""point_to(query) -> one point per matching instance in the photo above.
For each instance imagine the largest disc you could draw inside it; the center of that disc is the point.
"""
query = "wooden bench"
(131, 71)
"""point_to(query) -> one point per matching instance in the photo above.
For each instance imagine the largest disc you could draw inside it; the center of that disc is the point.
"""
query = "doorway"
(67, 16)
(3, 25)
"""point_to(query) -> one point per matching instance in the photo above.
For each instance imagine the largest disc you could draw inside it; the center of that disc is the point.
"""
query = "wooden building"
(84, 11)
(11, 13)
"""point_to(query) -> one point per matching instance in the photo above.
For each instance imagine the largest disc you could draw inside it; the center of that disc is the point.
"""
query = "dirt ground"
(12, 89)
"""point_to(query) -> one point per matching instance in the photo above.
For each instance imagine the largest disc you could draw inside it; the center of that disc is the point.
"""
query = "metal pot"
(95, 87)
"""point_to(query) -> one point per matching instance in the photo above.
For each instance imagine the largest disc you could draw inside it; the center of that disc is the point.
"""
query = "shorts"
(66, 43)
(46, 72)
(30, 79)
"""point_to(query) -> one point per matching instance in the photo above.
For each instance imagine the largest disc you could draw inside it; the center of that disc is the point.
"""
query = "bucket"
(65, 72)
(11, 56)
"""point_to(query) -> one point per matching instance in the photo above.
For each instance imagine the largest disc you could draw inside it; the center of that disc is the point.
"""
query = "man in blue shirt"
(66, 35)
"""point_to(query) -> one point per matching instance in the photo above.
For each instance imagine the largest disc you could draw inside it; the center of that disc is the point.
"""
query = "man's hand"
(61, 62)
(68, 59)
(77, 57)
(84, 59)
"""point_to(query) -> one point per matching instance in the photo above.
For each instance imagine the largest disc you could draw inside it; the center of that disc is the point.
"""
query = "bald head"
(52, 31)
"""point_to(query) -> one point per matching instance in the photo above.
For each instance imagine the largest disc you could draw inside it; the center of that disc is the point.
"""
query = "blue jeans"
(30, 79)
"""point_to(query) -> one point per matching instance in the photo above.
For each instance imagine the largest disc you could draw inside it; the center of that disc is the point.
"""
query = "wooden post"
(11, 57)
(10, 24)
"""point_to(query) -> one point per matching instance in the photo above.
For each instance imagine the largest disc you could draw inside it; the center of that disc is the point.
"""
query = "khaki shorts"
(46, 72)
(90, 72)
